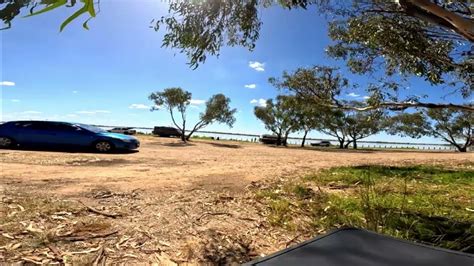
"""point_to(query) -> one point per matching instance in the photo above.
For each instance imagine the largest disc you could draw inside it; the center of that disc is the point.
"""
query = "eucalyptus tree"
(452, 126)
(333, 123)
(278, 117)
(176, 99)
(362, 124)
(306, 116)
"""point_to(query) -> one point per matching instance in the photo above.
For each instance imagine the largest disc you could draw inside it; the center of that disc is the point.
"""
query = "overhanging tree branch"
(400, 106)
(433, 13)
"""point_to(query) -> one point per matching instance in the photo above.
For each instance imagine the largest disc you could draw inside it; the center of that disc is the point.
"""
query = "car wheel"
(6, 142)
(103, 146)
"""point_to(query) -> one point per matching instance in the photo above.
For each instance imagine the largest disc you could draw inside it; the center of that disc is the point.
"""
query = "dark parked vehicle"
(323, 143)
(63, 135)
(270, 139)
(123, 130)
(166, 132)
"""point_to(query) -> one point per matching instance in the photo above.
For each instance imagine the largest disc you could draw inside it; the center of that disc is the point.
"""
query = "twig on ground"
(213, 214)
(292, 240)
(82, 238)
(248, 219)
(86, 251)
(36, 260)
(99, 257)
(57, 253)
(94, 210)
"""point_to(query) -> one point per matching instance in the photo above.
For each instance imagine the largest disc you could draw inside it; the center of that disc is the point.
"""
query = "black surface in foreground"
(355, 247)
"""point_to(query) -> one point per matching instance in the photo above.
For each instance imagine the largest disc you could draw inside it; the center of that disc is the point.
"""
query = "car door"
(69, 135)
(35, 133)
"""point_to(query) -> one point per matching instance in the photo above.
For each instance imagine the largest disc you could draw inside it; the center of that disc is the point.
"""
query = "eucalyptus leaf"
(48, 8)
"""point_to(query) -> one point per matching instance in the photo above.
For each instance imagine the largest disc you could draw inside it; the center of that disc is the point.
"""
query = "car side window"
(20, 124)
(42, 126)
(27, 125)
(64, 127)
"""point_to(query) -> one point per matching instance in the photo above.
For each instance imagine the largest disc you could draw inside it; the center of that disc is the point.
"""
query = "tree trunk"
(183, 132)
(285, 140)
(341, 143)
(347, 144)
(354, 144)
(304, 138)
(279, 138)
(433, 13)
(462, 149)
(196, 127)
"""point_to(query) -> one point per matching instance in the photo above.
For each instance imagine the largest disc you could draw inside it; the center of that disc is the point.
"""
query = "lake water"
(297, 141)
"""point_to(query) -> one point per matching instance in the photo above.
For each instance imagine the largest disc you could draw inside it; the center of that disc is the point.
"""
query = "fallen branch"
(213, 214)
(92, 236)
(96, 211)
(248, 219)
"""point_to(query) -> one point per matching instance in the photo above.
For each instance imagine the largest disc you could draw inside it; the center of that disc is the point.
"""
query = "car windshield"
(91, 128)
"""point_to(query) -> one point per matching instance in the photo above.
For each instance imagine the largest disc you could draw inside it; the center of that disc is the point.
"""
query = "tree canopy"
(278, 117)
(305, 116)
(452, 126)
(363, 124)
(349, 126)
(217, 109)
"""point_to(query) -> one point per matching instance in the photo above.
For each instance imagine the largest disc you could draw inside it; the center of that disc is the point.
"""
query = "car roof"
(41, 121)
(36, 121)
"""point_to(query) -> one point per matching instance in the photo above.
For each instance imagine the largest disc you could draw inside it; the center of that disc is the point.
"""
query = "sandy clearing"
(192, 197)
(167, 165)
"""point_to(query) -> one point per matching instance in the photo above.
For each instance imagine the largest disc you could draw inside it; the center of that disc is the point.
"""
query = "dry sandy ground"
(180, 203)
(167, 165)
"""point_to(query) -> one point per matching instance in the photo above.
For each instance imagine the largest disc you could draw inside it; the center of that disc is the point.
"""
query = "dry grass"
(427, 204)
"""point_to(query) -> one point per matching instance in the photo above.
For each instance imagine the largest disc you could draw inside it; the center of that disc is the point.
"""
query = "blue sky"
(104, 75)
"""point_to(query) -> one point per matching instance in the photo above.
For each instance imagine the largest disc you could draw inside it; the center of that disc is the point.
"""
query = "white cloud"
(31, 112)
(7, 83)
(366, 97)
(259, 102)
(138, 106)
(257, 65)
(250, 86)
(353, 94)
(94, 112)
(196, 102)
(75, 92)
(15, 100)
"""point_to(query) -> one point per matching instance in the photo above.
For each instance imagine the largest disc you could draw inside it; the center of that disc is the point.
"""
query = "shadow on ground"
(177, 144)
(69, 150)
(324, 149)
(223, 145)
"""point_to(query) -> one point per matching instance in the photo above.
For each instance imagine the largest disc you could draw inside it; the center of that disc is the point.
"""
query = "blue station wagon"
(63, 135)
